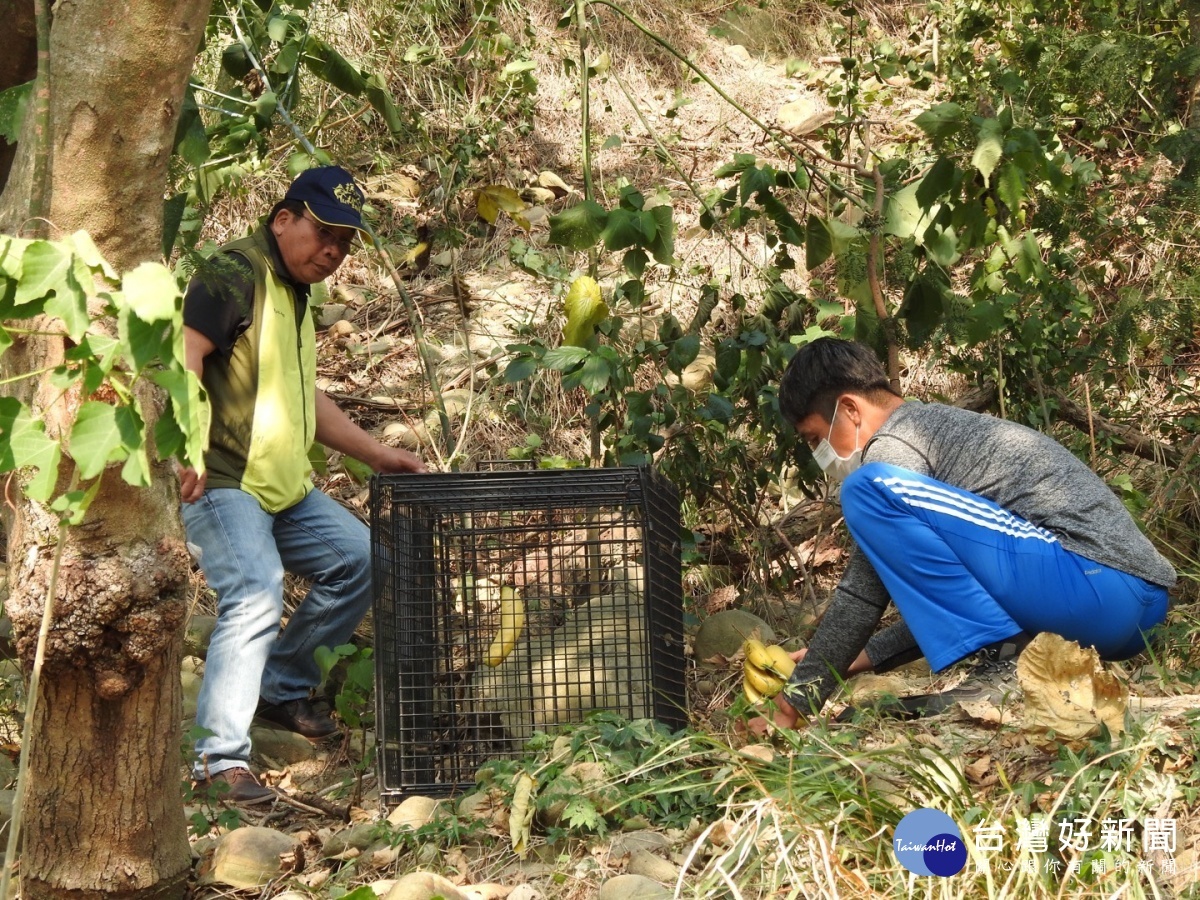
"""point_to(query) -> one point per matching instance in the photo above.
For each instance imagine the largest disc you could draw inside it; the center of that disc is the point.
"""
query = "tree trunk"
(103, 808)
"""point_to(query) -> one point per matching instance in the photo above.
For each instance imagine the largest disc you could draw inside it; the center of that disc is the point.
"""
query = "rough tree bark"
(104, 814)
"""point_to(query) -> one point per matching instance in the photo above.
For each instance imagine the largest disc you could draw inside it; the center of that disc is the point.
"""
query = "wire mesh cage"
(512, 601)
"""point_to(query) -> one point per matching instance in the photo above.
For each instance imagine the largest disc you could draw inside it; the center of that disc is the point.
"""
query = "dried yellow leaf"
(1067, 690)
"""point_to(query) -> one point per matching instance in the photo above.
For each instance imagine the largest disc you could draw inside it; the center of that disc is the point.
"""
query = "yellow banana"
(764, 683)
(781, 662)
(751, 694)
(512, 623)
(756, 654)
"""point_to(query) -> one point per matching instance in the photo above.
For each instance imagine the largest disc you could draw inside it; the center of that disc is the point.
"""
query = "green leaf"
(330, 66)
(6, 340)
(941, 121)
(236, 61)
(69, 303)
(625, 228)
(922, 308)
(560, 359)
(579, 227)
(936, 183)
(663, 243)
(13, 102)
(189, 410)
(902, 215)
(519, 369)
(757, 182)
(729, 357)
(585, 309)
(1011, 187)
(741, 162)
(152, 293)
(635, 262)
(89, 254)
(142, 343)
(683, 352)
(74, 504)
(942, 245)
(103, 434)
(23, 443)
(357, 470)
(818, 243)
(279, 27)
(581, 814)
(789, 229)
(594, 375)
(44, 268)
(381, 101)
(990, 148)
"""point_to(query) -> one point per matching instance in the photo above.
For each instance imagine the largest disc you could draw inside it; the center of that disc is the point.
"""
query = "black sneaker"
(299, 716)
(992, 679)
(241, 787)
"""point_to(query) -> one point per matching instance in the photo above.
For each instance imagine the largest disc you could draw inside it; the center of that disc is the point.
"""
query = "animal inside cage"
(512, 601)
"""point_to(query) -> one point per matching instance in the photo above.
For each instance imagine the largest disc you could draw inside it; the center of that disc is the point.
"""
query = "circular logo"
(927, 842)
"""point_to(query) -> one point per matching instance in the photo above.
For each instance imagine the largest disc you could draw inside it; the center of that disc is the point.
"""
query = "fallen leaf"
(988, 713)
(980, 771)
(520, 817)
(1068, 691)
(552, 182)
(493, 198)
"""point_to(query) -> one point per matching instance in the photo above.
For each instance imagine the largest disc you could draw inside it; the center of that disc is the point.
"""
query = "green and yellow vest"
(263, 394)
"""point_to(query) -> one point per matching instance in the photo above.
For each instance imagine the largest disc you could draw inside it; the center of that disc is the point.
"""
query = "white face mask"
(837, 467)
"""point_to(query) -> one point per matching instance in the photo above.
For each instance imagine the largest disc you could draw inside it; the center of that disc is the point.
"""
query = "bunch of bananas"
(766, 670)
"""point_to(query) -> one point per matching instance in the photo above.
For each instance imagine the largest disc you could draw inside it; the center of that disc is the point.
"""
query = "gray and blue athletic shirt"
(1020, 469)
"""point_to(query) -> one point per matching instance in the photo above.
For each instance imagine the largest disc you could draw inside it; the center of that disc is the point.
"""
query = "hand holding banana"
(765, 671)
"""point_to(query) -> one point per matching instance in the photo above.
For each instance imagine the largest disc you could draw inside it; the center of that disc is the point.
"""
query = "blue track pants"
(964, 572)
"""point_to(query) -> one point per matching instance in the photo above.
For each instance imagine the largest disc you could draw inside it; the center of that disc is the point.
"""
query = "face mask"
(837, 467)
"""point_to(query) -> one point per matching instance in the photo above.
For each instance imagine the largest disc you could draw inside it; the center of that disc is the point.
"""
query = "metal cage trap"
(512, 601)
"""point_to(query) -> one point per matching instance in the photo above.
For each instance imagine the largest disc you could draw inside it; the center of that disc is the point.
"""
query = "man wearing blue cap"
(253, 513)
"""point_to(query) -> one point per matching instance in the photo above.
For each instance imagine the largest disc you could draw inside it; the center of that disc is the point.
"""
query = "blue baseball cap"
(331, 195)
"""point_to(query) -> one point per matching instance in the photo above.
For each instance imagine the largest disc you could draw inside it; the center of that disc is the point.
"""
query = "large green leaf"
(579, 227)
(152, 292)
(818, 243)
(585, 309)
(381, 101)
(44, 268)
(103, 434)
(24, 444)
(69, 303)
(329, 65)
(13, 102)
(903, 213)
(941, 121)
(189, 411)
(560, 359)
(936, 183)
(989, 149)
(628, 228)
(1011, 186)
(663, 243)
(683, 352)
(594, 375)
(923, 308)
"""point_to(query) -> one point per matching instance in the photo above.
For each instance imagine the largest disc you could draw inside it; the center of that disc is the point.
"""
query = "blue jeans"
(243, 553)
(964, 572)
